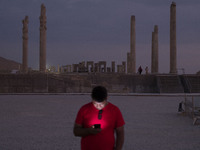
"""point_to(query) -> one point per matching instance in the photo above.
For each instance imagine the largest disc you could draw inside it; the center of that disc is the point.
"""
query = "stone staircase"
(193, 83)
(169, 84)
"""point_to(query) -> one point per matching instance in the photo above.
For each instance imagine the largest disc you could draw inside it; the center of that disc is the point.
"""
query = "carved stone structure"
(58, 69)
(108, 70)
(102, 66)
(66, 69)
(154, 55)
(52, 69)
(96, 67)
(128, 63)
(113, 67)
(121, 68)
(131, 57)
(69, 68)
(90, 66)
(75, 67)
(81, 67)
(43, 29)
(25, 45)
(173, 63)
(124, 66)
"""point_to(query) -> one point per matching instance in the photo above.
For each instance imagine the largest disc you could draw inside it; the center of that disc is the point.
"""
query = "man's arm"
(80, 131)
(119, 138)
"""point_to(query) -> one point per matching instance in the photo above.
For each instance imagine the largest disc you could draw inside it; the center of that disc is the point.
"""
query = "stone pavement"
(45, 122)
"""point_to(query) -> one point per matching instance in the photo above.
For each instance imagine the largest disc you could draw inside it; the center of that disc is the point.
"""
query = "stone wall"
(84, 82)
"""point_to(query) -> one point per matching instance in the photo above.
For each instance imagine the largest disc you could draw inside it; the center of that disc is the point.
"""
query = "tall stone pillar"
(131, 59)
(154, 54)
(173, 63)
(43, 29)
(124, 66)
(25, 45)
(113, 66)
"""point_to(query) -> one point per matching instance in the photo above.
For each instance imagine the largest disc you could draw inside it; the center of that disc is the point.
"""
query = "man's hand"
(93, 130)
(80, 131)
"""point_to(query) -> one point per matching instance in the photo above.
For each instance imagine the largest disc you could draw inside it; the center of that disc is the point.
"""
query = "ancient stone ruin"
(43, 28)
(25, 45)
(128, 66)
(173, 61)
(117, 78)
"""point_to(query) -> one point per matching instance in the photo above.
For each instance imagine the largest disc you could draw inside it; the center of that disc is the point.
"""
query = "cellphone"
(97, 126)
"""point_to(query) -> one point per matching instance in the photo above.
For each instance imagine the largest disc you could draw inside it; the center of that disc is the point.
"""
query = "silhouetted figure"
(180, 108)
(140, 70)
(147, 70)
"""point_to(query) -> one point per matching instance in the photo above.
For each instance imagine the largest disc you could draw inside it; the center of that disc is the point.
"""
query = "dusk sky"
(99, 30)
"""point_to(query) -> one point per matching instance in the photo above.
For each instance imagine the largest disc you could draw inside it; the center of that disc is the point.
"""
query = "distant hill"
(8, 65)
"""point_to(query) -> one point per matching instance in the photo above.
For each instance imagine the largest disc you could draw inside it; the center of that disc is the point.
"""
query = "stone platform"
(84, 82)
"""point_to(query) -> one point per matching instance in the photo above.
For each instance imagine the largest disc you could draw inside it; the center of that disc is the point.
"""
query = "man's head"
(99, 94)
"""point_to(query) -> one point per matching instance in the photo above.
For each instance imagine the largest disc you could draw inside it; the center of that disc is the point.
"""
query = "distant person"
(97, 121)
(140, 70)
(147, 70)
(180, 107)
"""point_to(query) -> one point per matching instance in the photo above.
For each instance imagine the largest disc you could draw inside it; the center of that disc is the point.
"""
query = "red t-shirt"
(111, 119)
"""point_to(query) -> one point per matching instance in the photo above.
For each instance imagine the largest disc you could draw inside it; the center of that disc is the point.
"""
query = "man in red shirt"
(97, 121)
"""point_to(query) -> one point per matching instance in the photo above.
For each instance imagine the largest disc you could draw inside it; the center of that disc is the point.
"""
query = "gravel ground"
(45, 122)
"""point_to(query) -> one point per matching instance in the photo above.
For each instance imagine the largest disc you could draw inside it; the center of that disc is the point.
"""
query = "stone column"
(96, 67)
(131, 59)
(43, 29)
(124, 66)
(154, 54)
(128, 62)
(102, 69)
(90, 66)
(113, 66)
(25, 45)
(173, 38)
(75, 67)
